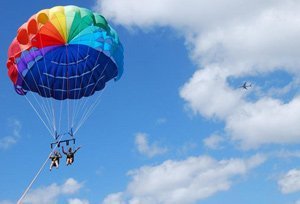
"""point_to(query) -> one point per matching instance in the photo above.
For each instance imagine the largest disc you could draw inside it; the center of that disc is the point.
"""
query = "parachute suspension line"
(47, 77)
(78, 102)
(60, 114)
(43, 107)
(83, 117)
(91, 109)
(61, 108)
(40, 106)
(79, 92)
(89, 112)
(51, 105)
(46, 108)
(73, 104)
(51, 133)
(61, 99)
(83, 103)
(38, 173)
(54, 116)
(68, 88)
(54, 108)
(69, 114)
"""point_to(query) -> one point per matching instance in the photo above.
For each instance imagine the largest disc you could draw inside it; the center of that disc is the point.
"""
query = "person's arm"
(52, 156)
(76, 150)
(63, 150)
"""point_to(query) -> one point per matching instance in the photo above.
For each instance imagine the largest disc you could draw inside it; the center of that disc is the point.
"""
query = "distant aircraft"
(246, 85)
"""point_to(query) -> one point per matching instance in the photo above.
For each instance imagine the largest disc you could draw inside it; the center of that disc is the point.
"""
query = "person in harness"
(70, 155)
(55, 156)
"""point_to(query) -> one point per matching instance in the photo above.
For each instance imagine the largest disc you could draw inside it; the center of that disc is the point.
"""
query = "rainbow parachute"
(66, 55)
(65, 52)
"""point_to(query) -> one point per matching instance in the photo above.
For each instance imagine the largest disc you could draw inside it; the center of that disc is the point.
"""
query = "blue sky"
(175, 128)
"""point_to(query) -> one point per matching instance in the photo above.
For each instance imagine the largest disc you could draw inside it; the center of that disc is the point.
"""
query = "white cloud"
(8, 141)
(143, 146)
(115, 198)
(50, 194)
(78, 201)
(185, 181)
(213, 141)
(239, 40)
(288, 154)
(193, 15)
(290, 182)
(252, 124)
(266, 121)
(208, 94)
(71, 186)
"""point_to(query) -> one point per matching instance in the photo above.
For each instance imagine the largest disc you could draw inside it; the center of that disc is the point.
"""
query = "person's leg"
(51, 165)
(56, 164)
(68, 161)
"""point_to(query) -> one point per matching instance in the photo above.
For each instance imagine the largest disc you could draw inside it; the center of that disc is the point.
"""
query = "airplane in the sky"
(246, 85)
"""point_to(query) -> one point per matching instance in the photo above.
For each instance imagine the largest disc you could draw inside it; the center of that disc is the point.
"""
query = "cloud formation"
(213, 142)
(143, 146)
(77, 201)
(50, 194)
(239, 40)
(290, 182)
(8, 141)
(116, 198)
(185, 181)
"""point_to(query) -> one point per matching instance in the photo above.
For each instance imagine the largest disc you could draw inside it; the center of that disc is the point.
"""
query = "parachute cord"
(68, 88)
(54, 116)
(73, 104)
(39, 104)
(82, 105)
(43, 104)
(51, 133)
(60, 114)
(47, 77)
(89, 111)
(38, 173)
(78, 101)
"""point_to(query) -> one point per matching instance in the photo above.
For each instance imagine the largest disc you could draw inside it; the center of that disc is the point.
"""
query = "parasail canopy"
(64, 54)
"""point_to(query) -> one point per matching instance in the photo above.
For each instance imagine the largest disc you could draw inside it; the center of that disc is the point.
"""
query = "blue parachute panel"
(70, 72)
